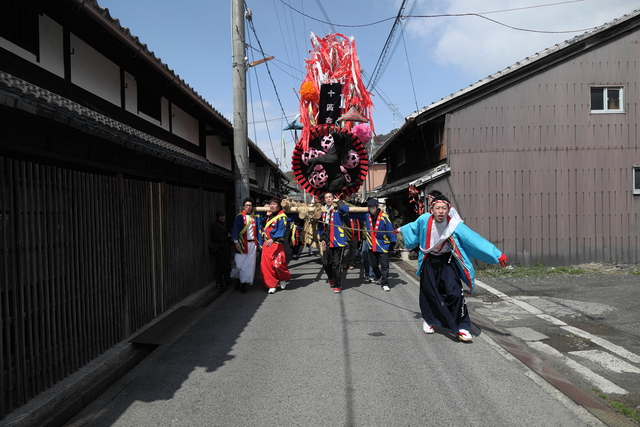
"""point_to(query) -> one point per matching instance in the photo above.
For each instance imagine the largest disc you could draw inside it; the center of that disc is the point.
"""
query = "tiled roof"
(22, 95)
(529, 60)
(142, 49)
(593, 36)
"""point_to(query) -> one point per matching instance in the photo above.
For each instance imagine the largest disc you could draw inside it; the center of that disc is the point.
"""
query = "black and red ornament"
(335, 160)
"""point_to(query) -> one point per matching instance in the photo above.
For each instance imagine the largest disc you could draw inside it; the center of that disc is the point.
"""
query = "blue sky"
(430, 58)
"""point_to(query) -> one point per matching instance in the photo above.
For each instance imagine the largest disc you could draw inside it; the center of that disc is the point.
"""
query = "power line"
(385, 50)
(450, 15)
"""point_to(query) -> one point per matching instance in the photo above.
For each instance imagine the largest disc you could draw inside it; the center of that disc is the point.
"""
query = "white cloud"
(478, 47)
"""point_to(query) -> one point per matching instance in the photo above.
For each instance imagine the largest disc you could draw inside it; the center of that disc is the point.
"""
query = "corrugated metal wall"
(539, 175)
(86, 260)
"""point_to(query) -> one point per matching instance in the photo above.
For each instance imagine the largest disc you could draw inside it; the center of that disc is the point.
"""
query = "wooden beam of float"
(307, 210)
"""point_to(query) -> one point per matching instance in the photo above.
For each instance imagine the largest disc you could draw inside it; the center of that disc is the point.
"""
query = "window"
(149, 103)
(607, 99)
(401, 157)
(437, 135)
(636, 180)
(19, 24)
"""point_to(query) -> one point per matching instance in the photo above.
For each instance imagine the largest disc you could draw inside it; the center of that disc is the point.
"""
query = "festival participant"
(273, 265)
(446, 245)
(332, 239)
(381, 239)
(353, 232)
(219, 247)
(436, 195)
(246, 238)
(295, 241)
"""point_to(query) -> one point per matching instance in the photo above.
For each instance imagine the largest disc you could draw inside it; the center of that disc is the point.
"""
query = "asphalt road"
(583, 326)
(308, 357)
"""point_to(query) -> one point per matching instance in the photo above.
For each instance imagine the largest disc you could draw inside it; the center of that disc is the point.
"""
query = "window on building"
(401, 157)
(149, 102)
(19, 24)
(607, 99)
(437, 135)
(636, 180)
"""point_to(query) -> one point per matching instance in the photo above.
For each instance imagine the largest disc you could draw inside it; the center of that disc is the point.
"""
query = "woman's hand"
(269, 242)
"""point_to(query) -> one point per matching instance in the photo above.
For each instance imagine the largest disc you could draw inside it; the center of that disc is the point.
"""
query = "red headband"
(440, 201)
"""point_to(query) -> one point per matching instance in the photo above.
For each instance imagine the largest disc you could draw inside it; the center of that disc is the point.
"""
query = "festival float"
(335, 123)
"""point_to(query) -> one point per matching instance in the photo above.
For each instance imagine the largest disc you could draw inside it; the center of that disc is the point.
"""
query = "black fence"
(85, 261)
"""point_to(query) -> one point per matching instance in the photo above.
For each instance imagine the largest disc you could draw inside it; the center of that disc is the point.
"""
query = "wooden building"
(111, 170)
(543, 157)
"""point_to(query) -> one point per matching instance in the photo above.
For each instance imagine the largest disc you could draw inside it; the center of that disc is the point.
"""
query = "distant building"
(542, 157)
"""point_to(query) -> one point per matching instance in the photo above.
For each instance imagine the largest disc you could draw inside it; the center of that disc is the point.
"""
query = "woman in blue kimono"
(446, 245)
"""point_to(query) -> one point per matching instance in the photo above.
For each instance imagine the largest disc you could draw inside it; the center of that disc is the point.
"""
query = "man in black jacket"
(219, 247)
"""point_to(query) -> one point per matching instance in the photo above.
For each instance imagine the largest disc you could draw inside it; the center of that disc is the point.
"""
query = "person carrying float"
(447, 246)
(332, 239)
(381, 240)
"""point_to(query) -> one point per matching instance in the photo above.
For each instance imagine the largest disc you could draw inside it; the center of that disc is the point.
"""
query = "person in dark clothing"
(332, 239)
(219, 246)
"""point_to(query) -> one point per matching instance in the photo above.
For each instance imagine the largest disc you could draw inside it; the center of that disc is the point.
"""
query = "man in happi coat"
(332, 238)
(246, 238)
(447, 246)
(380, 239)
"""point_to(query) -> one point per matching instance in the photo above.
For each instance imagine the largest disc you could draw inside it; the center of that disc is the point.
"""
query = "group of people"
(339, 230)
(445, 245)
(252, 235)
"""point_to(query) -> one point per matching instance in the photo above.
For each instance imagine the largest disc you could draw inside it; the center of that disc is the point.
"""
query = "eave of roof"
(103, 17)
(418, 179)
(25, 96)
(517, 71)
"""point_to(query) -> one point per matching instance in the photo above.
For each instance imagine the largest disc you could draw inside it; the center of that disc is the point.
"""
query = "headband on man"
(440, 201)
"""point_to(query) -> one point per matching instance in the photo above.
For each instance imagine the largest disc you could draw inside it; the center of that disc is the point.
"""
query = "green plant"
(536, 270)
(622, 408)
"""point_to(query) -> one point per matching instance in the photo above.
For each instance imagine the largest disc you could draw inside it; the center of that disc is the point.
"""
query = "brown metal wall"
(541, 177)
(86, 260)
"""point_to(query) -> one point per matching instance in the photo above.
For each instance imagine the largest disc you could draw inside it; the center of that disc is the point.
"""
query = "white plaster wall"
(184, 125)
(93, 72)
(217, 153)
(51, 47)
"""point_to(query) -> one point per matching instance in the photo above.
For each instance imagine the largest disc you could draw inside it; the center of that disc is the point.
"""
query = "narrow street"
(307, 356)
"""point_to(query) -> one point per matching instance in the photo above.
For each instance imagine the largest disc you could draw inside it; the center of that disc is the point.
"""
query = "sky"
(430, 57)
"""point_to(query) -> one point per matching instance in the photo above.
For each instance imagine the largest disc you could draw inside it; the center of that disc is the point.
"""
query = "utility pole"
(240, 127)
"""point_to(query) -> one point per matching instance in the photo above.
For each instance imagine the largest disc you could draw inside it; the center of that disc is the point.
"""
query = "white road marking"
(595, 339)
(607, 361)
(604, 343)
(598, 381)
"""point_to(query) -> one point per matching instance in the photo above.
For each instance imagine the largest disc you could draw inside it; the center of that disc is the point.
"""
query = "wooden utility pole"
(240, 128)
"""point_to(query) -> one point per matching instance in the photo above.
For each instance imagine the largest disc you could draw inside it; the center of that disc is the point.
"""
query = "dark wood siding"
(87, 260)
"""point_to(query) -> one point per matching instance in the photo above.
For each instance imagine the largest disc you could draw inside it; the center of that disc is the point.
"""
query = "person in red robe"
(273, 264)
